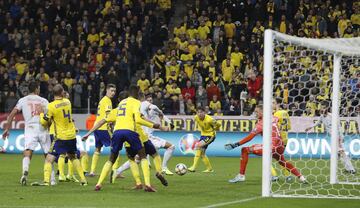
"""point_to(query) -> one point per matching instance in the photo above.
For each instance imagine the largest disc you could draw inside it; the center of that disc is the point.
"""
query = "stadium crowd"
(213, 58)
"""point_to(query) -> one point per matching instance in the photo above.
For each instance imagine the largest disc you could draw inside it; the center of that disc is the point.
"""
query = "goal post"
(318, 81)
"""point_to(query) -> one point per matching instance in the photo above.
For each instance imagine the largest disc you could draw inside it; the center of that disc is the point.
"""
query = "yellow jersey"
(127, 115)
(104, 108)
(284, 124)
(208, 126)
(60, 114)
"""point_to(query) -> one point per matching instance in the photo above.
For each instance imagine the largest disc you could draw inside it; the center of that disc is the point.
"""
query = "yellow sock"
(285, 171)
(157, 163)
(273, 171)
(134, 167)
(196, 158)
(85, 162)
(61, 166)
(47, 172)
(94, 161)
(77, 166)
(70, 168)
(146, 171)
(116, 165)
(104, 172)
(207, 163)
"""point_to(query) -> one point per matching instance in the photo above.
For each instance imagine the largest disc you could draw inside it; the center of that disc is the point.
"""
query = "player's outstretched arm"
(96, 126)
(9, 120)
(248, 138)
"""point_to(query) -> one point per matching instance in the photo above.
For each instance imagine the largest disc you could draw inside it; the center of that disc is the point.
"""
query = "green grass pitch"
(191, 190)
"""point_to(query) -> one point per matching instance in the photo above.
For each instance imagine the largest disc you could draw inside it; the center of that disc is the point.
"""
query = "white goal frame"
(336, 47)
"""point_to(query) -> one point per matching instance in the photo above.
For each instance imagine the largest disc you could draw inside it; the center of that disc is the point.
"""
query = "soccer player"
(102, 135)
(154, 114)
(325, 118)
(277, 149)
(34, 132)
(208, 127)
(126, 119)
(284, 125)
(60, 113)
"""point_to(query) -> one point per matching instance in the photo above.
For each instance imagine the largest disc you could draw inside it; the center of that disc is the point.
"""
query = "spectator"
(189, 91)
(201, 97)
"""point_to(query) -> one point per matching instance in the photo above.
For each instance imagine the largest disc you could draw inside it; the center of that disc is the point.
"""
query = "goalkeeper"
(325, 118)
(257, 149)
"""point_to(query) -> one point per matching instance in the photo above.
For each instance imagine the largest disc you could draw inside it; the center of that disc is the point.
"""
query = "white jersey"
(327, 121)
(151, 112)
(27, 105)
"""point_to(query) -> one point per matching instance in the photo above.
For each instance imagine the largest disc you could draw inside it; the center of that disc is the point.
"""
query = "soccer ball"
(180, 169)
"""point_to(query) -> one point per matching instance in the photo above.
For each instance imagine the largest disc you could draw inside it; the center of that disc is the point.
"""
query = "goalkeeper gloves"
(231, 146)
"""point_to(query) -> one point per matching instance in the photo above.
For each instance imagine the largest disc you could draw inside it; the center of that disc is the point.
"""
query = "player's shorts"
(208, 140)
(157, 141)
(123, 135)
(102, 138)
(34, 136)
(63, 146)
(149, 149)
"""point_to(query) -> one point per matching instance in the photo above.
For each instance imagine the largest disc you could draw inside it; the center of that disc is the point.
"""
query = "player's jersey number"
(122, 109)
(67, 115)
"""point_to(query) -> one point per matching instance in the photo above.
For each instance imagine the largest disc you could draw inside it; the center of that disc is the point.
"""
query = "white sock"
(302, 178)
(26, 164)
(52, 173)
(167, 155)
(123, 167)
(347, 163)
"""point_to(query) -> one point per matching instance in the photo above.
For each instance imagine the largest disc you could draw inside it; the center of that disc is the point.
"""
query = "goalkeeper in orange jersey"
(257, 149)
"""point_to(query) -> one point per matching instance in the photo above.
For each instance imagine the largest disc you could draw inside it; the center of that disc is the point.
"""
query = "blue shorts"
(77, 154)
(121, 136)
(208, 140)
(149, 149)
(102, 138)
(63, 146)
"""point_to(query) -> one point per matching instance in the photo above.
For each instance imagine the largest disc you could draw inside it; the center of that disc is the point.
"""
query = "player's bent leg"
(61, 168)
(167, 155)
(77, 166)
(197, 156)
(349, 168)
(206, 161)
(84, 157)
(48, 168)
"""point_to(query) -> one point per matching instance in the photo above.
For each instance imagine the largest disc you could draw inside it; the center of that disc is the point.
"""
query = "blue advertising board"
(301, 144)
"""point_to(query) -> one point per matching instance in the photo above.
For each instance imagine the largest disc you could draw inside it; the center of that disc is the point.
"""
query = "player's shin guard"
(157, 163)
(85, 162)
(134, 167)
(167, 155)
(116, 165)
(196, 158)
(77, 166)
(47, 172)
(273, 171)
(104, 172)
(146, 171)
(61, 166)
(94, 161)
(25, 165)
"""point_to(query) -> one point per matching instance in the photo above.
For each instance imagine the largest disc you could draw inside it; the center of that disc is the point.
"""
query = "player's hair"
(58, 90)
(141, 95)
(279, 102)
(123, 95)
(201, 108)
(33, 86)
(260, 106)
(108, 86)
(134, 91)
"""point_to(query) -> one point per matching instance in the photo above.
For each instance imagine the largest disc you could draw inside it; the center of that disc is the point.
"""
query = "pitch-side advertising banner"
(304, 145)
(350, 125)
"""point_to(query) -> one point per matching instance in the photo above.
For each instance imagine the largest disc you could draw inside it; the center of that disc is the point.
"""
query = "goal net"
(317, 82)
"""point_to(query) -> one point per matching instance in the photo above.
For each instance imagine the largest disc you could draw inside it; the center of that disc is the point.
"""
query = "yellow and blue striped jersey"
(127, 115)
(208, 126)
(284, 124)
(59, 113)
(104, 108)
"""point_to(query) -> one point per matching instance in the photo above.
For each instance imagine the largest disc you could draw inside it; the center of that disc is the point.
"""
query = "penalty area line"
(232, 202)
